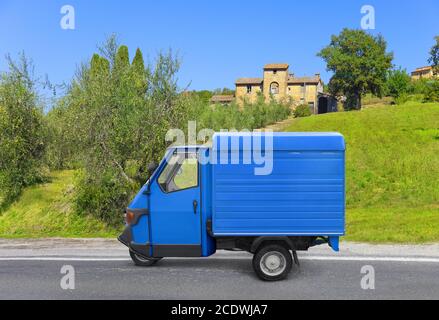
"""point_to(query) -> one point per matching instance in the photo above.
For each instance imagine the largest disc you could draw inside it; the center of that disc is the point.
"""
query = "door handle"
(195, 204)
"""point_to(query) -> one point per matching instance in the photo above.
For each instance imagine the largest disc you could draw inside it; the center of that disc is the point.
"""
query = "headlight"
(129, 217)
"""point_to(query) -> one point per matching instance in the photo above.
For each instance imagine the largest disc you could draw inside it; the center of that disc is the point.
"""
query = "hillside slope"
(46, 211)
(392, 170)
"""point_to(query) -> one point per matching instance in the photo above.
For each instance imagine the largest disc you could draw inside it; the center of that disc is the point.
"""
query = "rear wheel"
(272, 262)
(142, 261)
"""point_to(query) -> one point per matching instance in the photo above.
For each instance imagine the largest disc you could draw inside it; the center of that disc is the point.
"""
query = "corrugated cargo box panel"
(303, 195)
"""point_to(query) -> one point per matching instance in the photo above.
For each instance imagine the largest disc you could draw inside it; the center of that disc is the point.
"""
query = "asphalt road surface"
(33, 271)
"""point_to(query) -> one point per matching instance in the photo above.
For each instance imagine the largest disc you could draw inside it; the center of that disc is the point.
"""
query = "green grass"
(46, 211)
(392, 170)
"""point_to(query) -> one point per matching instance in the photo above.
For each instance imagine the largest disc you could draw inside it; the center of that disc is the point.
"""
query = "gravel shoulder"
(112, 248)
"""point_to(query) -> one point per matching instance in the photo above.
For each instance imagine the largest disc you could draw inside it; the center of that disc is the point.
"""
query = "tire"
(272, 262)
(142, 261)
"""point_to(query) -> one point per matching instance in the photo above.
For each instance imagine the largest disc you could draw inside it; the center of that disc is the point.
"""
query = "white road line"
(315, 258)
(380, 259)
(61, 259)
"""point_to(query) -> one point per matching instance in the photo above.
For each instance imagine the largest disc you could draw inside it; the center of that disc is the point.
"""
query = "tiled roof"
(222, 98)
(280, 66)
(297, 80)
(249, 81)
(423, 69)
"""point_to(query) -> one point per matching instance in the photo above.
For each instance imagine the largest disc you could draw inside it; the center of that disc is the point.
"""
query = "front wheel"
(142, 261)
(272, 262)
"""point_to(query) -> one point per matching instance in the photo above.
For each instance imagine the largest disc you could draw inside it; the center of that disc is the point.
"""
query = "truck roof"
(306, 141)
(303, 141)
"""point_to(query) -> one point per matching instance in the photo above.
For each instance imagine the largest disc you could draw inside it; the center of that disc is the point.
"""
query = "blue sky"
(219, 41)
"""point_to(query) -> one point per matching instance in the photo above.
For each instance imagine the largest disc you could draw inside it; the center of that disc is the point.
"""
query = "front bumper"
(126, 236)
(141, 249)
(127, 239)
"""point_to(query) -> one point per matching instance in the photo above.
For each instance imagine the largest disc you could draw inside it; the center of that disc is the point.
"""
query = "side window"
(181, 172)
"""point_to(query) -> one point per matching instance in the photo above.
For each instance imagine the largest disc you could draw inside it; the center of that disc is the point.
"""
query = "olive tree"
(22, 131)
(114, 119)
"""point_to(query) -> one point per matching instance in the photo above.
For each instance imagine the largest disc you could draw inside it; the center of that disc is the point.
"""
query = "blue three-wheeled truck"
(270, 194)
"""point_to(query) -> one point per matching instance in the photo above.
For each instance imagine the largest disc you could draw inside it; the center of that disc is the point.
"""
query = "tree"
(224, 91)
(22, 128)
(434, 56)
(122, 61)
(398, 83)
(360, 64)
(138, 62)
(112, 124)
(139, 72)
(99, 66)
(204, 95)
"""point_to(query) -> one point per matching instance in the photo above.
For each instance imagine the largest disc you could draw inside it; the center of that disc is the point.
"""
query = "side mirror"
(152, 167)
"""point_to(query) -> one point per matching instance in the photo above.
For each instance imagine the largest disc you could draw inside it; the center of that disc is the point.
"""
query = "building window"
(274, 71)
(249, 89)
(274, 88)
(303, 89)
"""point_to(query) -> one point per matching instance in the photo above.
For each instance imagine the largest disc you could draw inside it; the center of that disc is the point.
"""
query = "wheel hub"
(273, 263)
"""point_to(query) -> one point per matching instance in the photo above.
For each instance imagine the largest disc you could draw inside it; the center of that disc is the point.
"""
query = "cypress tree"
(122, 58)
(138, 72)
(99, 66)
(138, 64)
(94, 66)
(104, 65)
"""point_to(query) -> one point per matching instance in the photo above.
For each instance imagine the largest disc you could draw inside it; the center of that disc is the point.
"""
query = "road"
(32, 270)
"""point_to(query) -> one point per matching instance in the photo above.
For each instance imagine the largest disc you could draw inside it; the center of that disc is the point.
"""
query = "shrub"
(103, 196)
(398, 83)
(302, 111)
(431, 93)
(402, 98)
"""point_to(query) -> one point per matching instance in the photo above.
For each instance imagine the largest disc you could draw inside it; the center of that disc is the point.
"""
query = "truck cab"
(196, 202)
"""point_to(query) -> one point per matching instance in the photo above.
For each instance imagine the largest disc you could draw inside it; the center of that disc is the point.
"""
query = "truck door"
(176, 207)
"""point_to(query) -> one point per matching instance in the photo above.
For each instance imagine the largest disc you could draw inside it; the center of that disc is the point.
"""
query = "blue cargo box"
(303, 195)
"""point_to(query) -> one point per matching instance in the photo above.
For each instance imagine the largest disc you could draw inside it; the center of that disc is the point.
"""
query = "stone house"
(423, 73)
(278, 83)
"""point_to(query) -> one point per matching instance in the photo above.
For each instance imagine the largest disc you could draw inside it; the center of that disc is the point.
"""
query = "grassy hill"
(392, 170)
(392, 181)
(46, 211)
